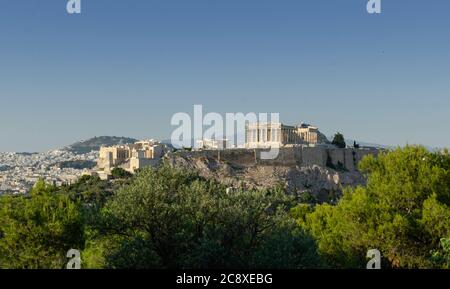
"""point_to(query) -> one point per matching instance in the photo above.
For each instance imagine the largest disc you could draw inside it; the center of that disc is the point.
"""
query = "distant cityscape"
(20, 171)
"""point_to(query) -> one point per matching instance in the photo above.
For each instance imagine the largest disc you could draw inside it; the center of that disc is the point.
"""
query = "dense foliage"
(167, 218)
(119, 173)
(170, 218)
(161, 218)
(35, 231)
(403, 212)
(339, 140)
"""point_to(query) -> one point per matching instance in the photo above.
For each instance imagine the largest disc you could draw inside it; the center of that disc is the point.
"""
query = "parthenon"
(275, 134)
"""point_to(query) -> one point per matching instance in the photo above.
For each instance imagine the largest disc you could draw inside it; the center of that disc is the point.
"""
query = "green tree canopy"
(119, 173)
(403, 211)
(170, 218)
(36, 231)
(339, 140)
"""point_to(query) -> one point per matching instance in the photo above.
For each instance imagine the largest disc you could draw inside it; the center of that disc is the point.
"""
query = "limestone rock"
(323, 183)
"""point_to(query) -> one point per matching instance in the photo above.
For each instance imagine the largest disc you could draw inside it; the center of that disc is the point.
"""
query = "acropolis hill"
(320, 172)
(305, 162)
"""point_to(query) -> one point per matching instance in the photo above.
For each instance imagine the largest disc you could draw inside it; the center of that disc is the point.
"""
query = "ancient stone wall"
(312, 156)
(341, 159)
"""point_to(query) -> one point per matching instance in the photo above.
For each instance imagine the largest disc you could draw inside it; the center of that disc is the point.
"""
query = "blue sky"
(125, 67)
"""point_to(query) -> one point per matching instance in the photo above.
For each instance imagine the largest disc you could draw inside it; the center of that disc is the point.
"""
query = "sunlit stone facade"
(275, 134)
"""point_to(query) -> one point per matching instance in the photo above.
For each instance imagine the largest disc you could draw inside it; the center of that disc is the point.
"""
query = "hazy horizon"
(361, 142)
(124, 68)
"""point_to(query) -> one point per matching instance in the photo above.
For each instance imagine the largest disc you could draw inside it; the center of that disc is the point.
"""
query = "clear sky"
(124, 67)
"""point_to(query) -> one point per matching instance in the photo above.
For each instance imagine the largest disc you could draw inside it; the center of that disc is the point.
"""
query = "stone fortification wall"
(347, 158)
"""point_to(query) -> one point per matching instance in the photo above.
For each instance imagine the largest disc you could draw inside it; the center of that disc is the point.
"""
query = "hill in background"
(94, 144)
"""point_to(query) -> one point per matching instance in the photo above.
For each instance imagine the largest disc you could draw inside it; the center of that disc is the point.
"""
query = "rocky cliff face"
(321, 183)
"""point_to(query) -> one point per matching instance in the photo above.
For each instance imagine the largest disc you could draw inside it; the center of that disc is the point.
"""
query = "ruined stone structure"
(129, 157)
(275, 134)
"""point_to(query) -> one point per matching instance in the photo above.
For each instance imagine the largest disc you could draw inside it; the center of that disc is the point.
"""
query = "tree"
(36, 231)
(90, 190)
(119, 173)
(403, 211)
(339, 140)
(178, 219)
